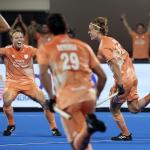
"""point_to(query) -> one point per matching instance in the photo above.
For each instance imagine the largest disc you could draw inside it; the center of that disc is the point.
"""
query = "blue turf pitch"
(32, 133)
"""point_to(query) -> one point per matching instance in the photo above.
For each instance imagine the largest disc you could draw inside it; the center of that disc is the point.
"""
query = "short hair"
(140, 24)
(57, 24)
(101, 24)
(14, 31)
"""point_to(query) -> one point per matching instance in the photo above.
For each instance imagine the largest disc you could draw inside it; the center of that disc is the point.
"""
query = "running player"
(20, 79)
(72, 62)
(124, 74)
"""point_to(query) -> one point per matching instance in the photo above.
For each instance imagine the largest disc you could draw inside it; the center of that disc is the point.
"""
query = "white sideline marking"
(93, 141)
(31, 143)
(129, 115)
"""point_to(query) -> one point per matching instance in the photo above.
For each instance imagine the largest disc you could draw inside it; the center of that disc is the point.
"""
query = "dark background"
(27, 16)
(79, 13)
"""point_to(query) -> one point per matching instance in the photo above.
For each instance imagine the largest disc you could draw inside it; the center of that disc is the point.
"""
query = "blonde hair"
(13, 31)
(100, 24)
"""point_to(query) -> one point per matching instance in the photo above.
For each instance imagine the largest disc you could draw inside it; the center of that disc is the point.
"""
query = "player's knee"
(113, 110)
(6, 107)
(7, 98)
(45, 105)
(7, 103)
(110, 109)
(134, 110)
(40, 96)
(134, 107)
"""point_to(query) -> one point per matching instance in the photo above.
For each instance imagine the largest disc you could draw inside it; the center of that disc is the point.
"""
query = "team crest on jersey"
(26, 56)
(13, 56)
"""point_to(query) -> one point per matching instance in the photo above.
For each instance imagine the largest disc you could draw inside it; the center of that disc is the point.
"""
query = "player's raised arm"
(124, 20)
(4, 26)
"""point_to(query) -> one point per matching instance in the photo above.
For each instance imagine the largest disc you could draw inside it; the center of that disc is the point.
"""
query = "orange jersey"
(19, 64)
(71, 62)
(110, 48)
(140, 45)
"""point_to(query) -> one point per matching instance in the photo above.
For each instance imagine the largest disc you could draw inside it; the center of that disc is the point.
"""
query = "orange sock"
(8, 111)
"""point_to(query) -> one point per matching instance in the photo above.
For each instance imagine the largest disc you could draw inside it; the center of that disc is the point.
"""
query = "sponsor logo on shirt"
(26, 56)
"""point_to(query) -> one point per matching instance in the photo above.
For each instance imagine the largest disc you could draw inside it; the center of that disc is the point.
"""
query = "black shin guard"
(94, 124)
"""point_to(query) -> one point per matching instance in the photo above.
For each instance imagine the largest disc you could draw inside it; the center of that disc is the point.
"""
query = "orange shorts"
(78, 111)
(130, 91)
(31, 89)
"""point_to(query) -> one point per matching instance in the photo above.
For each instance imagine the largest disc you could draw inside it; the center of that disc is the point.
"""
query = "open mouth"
(19, 43)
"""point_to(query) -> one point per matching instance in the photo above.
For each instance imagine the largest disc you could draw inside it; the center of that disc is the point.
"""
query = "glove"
(51, 103)
(120, 89)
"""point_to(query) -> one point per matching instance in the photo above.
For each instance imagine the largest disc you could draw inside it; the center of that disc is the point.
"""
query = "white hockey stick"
(103, 100)
(62, 113)
(68, 116)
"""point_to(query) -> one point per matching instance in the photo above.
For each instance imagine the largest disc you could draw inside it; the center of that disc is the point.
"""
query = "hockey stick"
(68, 116)
(103, 100)
(62, 113)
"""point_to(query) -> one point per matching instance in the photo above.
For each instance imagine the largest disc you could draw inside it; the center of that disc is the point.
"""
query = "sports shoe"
(93, 124)
(122, 137)
(56, 132)
(9, 130)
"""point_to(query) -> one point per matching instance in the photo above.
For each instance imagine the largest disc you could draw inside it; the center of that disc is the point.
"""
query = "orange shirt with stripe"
(140, 45)
(19, 65)
(71, 62)
(110, 48)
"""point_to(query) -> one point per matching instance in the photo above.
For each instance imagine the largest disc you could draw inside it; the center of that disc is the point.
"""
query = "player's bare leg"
(81, 141)
(119, 119)
(8, 97)
(136, 106)
(49, 115)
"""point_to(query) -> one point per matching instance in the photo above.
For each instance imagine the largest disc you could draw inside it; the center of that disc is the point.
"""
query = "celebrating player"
(140, 40)
(124, 74)
(72, 62)
(20, 79)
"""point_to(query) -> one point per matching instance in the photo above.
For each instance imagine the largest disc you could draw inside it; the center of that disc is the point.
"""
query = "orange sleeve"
(42, 56)
(2, 51)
